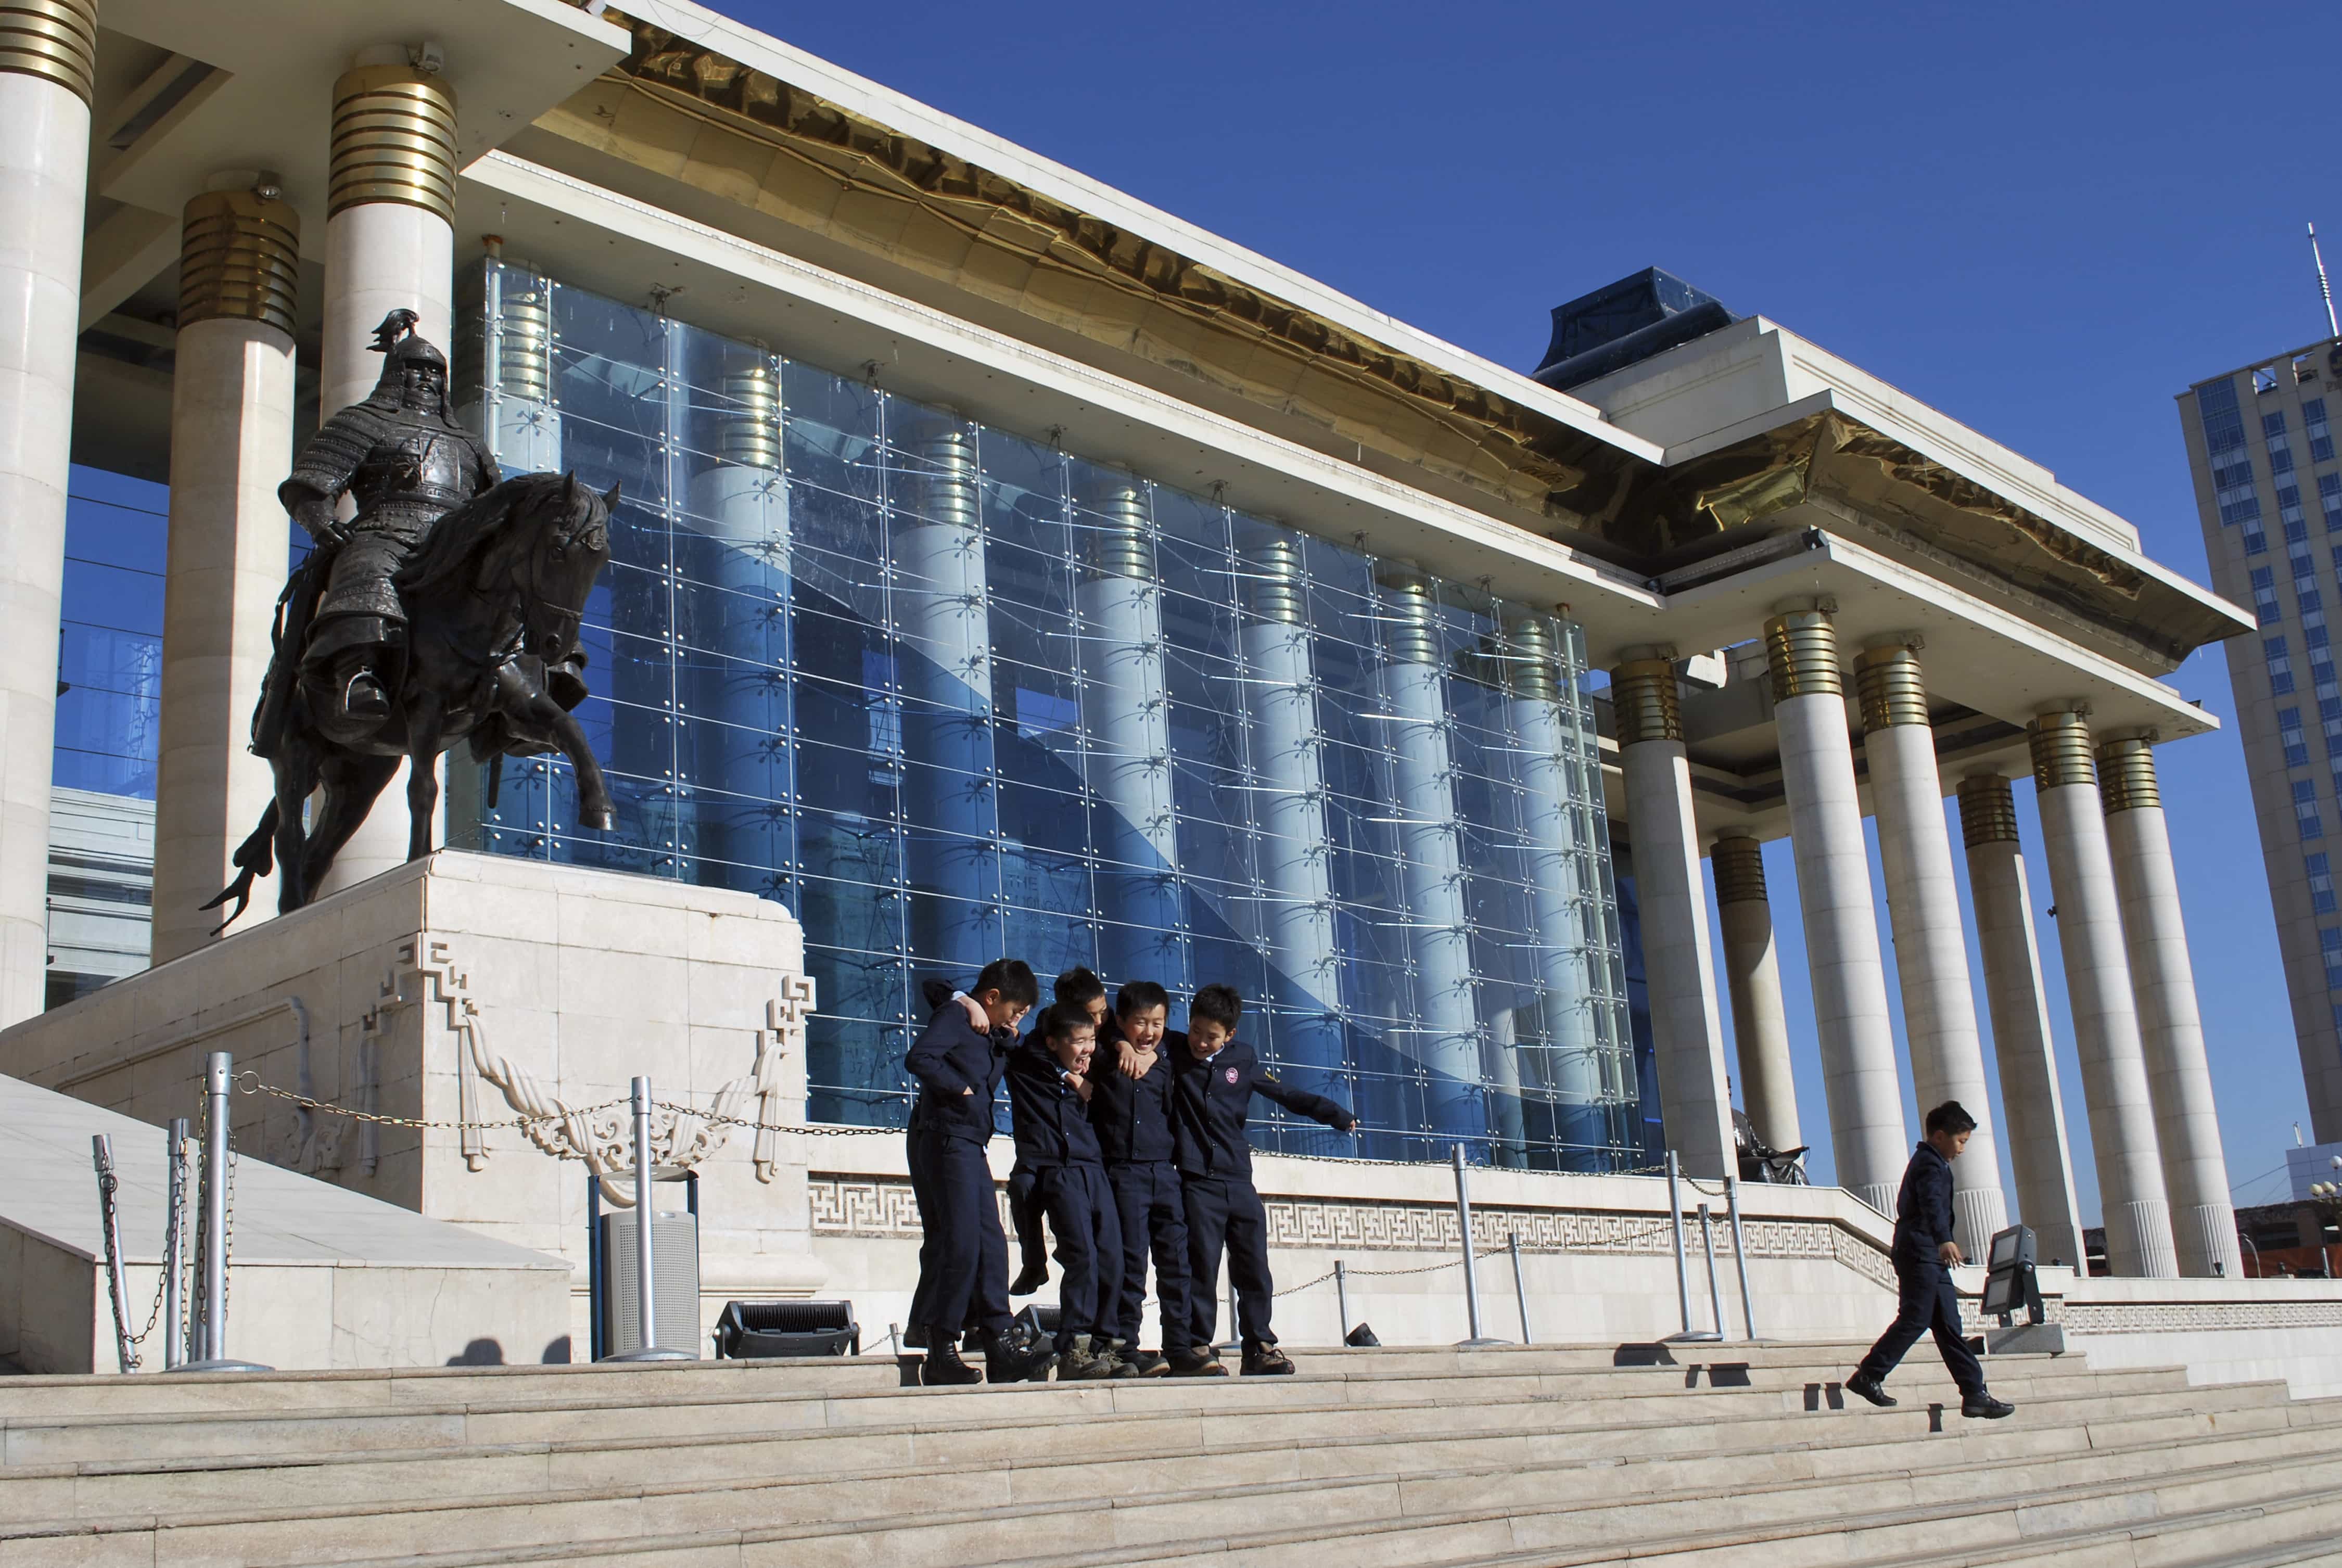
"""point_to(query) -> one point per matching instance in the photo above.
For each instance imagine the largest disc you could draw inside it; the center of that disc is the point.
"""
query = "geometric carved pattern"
(2160, 1317)
(876, 1206)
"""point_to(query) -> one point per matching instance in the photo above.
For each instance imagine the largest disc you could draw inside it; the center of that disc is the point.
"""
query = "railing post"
(645, 1278)
(1471, 1269)
(1520, 1285)
(1683, 1269)
(212, 1337)
(1342, 1297)
(174, 1251)
(1714, 1290)
(1740, 1256)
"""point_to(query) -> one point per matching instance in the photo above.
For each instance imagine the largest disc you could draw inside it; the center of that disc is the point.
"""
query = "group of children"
(1130, 1139)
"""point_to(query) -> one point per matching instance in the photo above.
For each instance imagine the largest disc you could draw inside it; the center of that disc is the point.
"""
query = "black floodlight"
(2009, 1284)
(756, 1331)
(1361, 1338)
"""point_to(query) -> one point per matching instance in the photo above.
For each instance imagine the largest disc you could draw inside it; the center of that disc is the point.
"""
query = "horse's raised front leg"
(536, 713)
(353, 780)
(424, 721)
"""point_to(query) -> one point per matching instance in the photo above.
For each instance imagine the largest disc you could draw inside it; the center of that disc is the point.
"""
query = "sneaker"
(1082, 1363)
(1266, 1361)
(1984, 1407)
(1193, 1361)
(944, 1369)
(1148, 1363)
(1007, 1361)
(1032, 1279)
(1863, 1386)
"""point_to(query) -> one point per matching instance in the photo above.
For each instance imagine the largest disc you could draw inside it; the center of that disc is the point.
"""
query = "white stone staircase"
(1740, 1455)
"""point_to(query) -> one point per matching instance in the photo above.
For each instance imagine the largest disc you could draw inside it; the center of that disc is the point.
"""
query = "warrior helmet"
(403, 351)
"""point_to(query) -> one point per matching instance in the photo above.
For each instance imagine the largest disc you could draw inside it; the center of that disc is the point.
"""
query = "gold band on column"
(1887, 682)
(2061, 751)
(750, 431)
(394, 141)
(1274, 587)
(56, 40)
(1801, 653)
(1533, 667)
(1988, 810)
(240, 259)
(1643, 703)
(1413, 619)
(1738, 862)
(2127, 776)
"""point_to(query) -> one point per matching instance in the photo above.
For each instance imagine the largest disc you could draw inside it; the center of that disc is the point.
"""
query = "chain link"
(307, 1103)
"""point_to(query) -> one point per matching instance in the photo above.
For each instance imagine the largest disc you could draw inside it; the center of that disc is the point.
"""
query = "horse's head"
(554, 553)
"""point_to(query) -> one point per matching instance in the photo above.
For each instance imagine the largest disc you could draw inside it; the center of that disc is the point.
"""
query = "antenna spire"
(2325, 290)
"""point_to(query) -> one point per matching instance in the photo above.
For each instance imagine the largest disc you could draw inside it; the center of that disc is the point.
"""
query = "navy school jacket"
(1132, 1115)
(1051, 1125)
(1923, 1209)
(951, 1057)
(1211, 1101)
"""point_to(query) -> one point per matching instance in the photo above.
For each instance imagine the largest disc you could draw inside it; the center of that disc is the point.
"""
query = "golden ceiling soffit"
(688, 114)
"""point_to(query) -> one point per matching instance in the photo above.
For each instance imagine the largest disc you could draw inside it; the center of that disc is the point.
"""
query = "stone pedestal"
(424, 993)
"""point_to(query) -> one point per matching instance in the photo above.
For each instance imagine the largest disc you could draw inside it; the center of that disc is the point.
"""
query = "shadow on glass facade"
(951, 694)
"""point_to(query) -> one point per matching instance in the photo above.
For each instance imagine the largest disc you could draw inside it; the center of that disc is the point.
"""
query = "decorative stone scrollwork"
(602, 1136)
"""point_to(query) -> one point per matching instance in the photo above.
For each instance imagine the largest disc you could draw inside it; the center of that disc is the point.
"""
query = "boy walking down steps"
(1925, 1251)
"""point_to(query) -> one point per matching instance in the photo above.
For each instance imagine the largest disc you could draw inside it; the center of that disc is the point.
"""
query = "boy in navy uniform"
(1082, 991)
(1211, 1093)
(1130, 1106)
(1925, 1252)
(958, 1061)
(1048, 1091)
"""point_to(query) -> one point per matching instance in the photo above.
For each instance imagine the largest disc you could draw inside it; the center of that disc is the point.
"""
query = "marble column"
(231, 447)
(1414, 682)
(2171, 1023)
(2097, 985)
(1752, 968)
(1694, 1098)
(390, 243)
(2031, 1102)
(1923, 903)
(1865, 1089)
(48, 51)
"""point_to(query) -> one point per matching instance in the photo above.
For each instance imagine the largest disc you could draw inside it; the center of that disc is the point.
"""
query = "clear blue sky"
(2044, 220)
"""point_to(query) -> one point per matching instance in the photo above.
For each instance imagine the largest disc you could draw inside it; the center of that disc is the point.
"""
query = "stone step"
(1328, 1440)
(32, 1441)
(1177, 1495)
(1393, 1520)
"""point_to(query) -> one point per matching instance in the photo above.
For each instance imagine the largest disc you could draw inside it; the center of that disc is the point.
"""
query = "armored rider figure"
(407, 464)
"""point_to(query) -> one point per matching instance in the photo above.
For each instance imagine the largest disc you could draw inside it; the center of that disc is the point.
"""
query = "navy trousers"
(1926, 1300)
(1080, 1206)
(1154, 1218)
(1223, 1213)
(1025, 1214)
(962, 1254)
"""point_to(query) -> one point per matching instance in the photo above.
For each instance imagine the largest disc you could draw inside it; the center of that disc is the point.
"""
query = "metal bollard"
(646, 1281)
(1520, 1286)
(1342, 1298)
(117, 1287)
(1715, 1291)
(1683, 1269)
(174, 1251)
(1471, 1272)
(211, 1336)
(1740, 1256)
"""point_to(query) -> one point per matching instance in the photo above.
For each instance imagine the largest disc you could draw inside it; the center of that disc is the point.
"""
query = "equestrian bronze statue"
(447, 608)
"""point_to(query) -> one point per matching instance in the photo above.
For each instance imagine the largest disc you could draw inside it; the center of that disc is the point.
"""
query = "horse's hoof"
(605, 821)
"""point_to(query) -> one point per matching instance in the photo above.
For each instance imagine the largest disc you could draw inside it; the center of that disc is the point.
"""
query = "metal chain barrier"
(306, 1103)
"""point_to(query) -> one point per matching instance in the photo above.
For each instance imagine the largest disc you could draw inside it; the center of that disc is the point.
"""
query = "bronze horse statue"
(493, 594)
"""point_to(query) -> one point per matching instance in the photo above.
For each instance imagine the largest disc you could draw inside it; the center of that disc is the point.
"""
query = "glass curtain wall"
(951, 694)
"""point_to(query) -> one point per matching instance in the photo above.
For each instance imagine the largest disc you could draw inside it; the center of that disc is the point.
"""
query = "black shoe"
(1863, 1386)
(1984, 1407)
(1266, 1361)
(1005, 1362)
(1149, 1363)
(1193, 1361)
(1034, 1276)
(944, 1368)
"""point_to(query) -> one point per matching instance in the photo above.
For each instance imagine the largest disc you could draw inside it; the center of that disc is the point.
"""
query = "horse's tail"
(255, 858)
